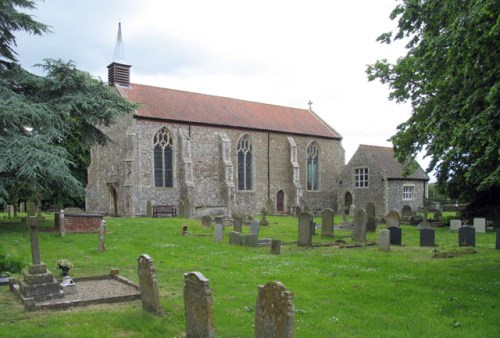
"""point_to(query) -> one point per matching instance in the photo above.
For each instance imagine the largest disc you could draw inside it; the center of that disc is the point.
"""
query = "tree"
(450, 75)
(42, 116)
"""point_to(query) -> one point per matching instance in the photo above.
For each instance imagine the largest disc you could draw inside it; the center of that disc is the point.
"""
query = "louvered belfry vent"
(119, 73)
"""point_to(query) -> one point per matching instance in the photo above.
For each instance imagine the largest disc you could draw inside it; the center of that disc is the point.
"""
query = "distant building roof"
(187, 107)
(383, 158)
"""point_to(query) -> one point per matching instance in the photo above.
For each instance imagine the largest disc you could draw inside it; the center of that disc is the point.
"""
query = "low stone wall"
(78, 223)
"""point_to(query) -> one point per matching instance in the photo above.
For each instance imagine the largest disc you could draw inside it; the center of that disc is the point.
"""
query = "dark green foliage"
(450, 75)
(10, 264)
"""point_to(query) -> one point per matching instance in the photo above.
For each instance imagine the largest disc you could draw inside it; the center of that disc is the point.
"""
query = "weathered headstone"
(250, 240)
(424, 224)
(438, 215)
(149, 209)
(235, 238)
(455, 224)
(275, 246)
(102, 229)
(384, 240)
(305, 235)
(359, 221)
(466, 236)
(206, 221)
(219, 232)
(264, 220)
(274, 312)
(352, 207)
(148, 284)
(480, 224)
(393, 219)
(406, 213)
(198, 306)
(62, 229)
(498, 240)
(327, 222)
(238, 224)
(396, 234)
(254, 227)
(30, 209)
(427, 237)
(371, 224)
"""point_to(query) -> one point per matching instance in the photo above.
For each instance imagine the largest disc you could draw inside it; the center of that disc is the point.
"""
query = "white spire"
(119, 53)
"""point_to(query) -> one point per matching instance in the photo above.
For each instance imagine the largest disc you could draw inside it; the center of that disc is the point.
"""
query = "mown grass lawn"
(359, 292)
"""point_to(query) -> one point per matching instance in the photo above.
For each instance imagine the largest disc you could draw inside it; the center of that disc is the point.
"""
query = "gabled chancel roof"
(188, 107)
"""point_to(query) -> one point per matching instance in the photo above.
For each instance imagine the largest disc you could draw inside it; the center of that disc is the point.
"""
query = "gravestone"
(250, 240)
(427, 237)
(455, 224)
(68, 285)
(235, 238)
(238, 224)
(352, 207)
(60, 220)
(149, 209)
(198, 306)
(30, 209)
(384, 240)
(219, 232)
(150, 294)
(305, 235)
(396, 234)
(206, 221)
(313, 228)
(263, 220)
(480, 224)
(359, 221)
(424, 224)
(393, 219)
(274, 312)
(466, 236)
(327, 222)
(275, 247)
(254, 227)
(102, 228)
(498, 240)
(218, 219)
(371, 224)
(438, 215)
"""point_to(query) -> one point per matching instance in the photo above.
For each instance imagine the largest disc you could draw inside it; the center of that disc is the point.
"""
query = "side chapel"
(210, 154)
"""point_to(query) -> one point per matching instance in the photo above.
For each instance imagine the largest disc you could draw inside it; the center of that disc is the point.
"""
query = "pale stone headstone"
(250, 240)
(238, 224)
(393, 219)
(22, 207)
(219, 232)
(149, 209)
(305, 235)
(327, 222)
(198, 306)
(235, 238)
(455, 224)
(148, 284)
(384, 240)
(359, 221)
(275, 246)
(396, 234)
(102, 229)
(424, 224)
(480, 224)
(427, 237)
(60, 216)
(466, 236)
(274, 312)
(254, 227)
(206, 221)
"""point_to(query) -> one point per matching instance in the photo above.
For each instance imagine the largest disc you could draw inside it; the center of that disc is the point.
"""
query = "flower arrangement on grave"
(64, 265)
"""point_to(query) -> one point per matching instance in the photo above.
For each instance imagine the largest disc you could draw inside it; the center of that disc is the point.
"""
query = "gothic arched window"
(245, 163)
(163, 159)
(312, 166)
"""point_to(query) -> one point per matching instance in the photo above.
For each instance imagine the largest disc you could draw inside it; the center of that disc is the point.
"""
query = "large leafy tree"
(451, 76)
(47, 123)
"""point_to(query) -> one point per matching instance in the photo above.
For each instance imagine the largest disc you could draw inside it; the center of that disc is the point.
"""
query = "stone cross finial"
(35, 248)
(310, 104)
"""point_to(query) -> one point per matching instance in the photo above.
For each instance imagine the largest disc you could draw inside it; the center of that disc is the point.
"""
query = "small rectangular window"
(408, 192)
(361, 177)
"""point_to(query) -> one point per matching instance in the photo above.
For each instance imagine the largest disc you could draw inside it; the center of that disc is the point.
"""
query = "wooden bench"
(159, 210)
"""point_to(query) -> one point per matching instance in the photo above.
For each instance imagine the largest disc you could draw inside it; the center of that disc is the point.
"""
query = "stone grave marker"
(206, 221)
(327, 222)
(393, 219)
(238, 224)
(466, 236)
(102, 229)
(455, 224)
(235, 238)
(352, 207)
(219, 232)
(424, 224)
(254, 227)
(150, 294)
(263, 220)
(313, 228)
(274, 312)
(359, 221)
(498, 240)
(438, 215)
(30, 209)
(480, 224)
(396, 234)
(305, 235)
(198, 306)
(384, 240)
(275, 247)
(60, 220)
(250, 240)
(427, 237)
(371, 224)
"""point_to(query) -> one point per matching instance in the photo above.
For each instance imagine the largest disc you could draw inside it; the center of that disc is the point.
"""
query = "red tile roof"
(187, 107)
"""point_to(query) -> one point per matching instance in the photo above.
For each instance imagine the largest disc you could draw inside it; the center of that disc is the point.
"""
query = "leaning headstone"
(384, 240)
(238, 224)
(254, 227)
(427, 237)
(235, 238)
(498, 240)
(455, 224)
(480, 224)
(327, 222)
(30, 209)
(148, 284)
(359, 220)
(274, 312)
(198, 306)
(206, 221)
(275, 246)
(396, 234)
(393, 219)
(305, 235)
(102, 229)
(219, 232)
(250, 240)
(149, 209)
(467, 236)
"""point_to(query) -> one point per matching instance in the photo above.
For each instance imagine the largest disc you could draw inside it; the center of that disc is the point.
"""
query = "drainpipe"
(268, 166)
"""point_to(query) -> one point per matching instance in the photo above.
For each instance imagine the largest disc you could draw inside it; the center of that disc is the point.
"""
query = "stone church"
(209, 154)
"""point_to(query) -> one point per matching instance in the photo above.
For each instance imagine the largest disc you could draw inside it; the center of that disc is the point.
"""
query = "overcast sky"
(283, 52)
